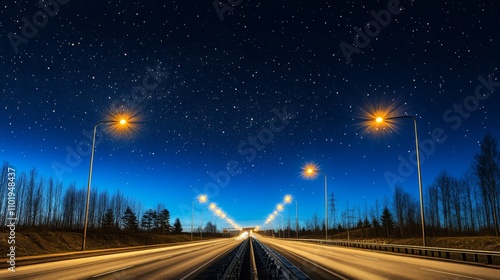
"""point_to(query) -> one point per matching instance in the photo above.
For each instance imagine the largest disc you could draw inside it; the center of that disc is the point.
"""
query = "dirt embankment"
(30, 243)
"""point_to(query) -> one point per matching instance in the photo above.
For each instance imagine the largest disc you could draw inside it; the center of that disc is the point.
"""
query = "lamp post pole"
(424, 242)
(326, 209)
(192, 220)
(296, 219)
(89, 183)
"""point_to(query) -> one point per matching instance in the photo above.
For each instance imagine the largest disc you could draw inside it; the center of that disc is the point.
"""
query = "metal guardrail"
(486, 257)
(277, 265)
(234, 269)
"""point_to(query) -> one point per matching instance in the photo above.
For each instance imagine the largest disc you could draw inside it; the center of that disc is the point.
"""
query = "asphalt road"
(332, 262)
(174, 262)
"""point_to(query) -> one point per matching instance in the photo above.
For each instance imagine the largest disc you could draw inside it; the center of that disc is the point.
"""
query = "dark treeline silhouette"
(43, 203)
(467, 205)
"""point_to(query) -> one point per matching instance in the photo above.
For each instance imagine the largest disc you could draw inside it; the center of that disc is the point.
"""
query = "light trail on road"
(173, 262)
(332, 262)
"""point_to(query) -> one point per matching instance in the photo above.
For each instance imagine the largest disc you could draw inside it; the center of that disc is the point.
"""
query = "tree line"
(467, 205)
(43, 203)
(454, 206)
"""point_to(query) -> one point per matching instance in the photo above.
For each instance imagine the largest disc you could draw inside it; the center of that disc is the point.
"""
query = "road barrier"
(277, 265)
(234, 269)
(485, 257)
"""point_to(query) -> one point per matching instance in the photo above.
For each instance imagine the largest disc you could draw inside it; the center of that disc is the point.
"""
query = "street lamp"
(380, 120)
(288, 199)
(119, 122)
(202, 198)
(310, 171)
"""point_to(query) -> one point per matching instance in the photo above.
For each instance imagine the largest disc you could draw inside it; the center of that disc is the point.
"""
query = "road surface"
(174, 262)
(332, 262)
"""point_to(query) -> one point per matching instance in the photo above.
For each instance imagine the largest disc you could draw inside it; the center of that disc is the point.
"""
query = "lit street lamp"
(202, 198)
(288, 199)
(310, 171)
(381, 120)
(122, 122)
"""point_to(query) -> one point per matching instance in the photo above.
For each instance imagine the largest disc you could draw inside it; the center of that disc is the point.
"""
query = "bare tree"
(433, 208)
(487, 169)
(399, 204)
(456, 202)
(3, 194)
(443, 182)
(466, 187)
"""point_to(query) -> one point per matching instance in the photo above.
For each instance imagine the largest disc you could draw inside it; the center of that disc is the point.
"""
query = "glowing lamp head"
(288, 198)
(379, 119)
(202, 198)
(279, 207)
(310, 170)
(123, 121)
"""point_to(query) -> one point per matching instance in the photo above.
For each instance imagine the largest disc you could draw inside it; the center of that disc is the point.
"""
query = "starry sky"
(254, 90)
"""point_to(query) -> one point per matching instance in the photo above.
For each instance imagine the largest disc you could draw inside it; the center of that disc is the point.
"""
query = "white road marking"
(368, 258)
(112, 271)
(317, 265)
(453, 274)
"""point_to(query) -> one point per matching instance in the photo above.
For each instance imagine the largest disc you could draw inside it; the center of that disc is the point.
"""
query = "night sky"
(271, 86)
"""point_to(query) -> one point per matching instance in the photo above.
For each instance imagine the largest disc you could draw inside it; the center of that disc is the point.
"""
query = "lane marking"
(112, 271)
(453, 274)
(368, 258)
(319, 266)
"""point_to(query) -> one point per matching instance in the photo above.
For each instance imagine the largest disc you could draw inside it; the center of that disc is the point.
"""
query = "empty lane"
(174, 262)
(359, 264)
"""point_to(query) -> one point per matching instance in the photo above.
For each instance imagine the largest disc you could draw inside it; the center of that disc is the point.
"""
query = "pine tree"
(108, 219)
(387, 221)
(148, 219)
(164, 221)
(177, 226)
(129, 220)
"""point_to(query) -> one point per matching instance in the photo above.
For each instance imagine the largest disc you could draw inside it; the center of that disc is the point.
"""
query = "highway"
(174, 262)
(332, 262)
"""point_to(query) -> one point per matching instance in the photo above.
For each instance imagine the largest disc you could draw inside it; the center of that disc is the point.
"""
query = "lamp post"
(381, 120)
(202, 198)
(296, 219)
(288, 199)
(311, 171)
(120, 122)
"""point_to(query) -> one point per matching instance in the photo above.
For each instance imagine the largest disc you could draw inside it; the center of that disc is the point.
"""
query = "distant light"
(123, 121)
(202, 198)
(379, 119)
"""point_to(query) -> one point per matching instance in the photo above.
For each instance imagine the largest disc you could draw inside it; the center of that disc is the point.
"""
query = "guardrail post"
(490, 259)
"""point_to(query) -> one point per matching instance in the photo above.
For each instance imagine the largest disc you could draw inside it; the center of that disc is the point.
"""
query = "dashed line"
(453, 274)
(112, 271)
(319, 266)
(368, 258)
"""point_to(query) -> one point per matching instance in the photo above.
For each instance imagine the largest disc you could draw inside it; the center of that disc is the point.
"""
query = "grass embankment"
(30, 243)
